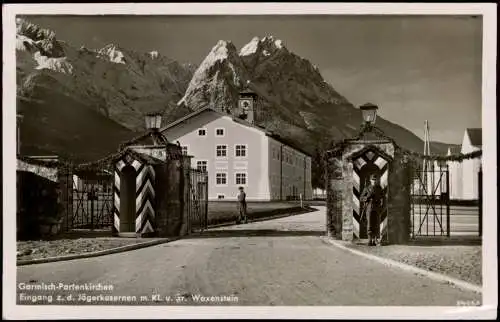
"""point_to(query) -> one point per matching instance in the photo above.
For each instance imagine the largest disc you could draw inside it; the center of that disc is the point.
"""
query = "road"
(277, 262)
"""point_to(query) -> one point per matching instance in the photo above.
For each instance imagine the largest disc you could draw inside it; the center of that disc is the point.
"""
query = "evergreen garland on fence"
(336, 148)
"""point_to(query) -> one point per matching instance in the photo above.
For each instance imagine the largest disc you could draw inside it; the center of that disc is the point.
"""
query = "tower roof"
(247, 89)
(475, 136)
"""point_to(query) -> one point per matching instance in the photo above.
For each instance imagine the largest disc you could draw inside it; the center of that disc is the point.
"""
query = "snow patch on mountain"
(236, 79)
(250, 48)
(218, 53)
(153, 54)
(59, 64)
(24, 43)
(266, 53)
(270, 39)
(113, 54)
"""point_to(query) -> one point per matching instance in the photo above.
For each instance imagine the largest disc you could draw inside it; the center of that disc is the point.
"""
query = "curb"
(95, 254)
(389, 262)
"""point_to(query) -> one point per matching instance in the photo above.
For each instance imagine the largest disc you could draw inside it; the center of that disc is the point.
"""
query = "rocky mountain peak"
(261, 46)
(113, 53)
(120, 83)
(32, 31)
(222, 63)
(221, 51)
(32, 38)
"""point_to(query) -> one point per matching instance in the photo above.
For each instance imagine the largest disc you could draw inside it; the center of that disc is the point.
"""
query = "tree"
(318, 169)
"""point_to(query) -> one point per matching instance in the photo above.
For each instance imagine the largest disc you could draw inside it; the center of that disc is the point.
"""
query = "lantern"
(369, 111)
(153, 121)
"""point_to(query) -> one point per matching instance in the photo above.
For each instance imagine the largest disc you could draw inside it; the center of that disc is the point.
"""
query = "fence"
(430, 208)
(197, 203)
(92, 200)
(434, 214)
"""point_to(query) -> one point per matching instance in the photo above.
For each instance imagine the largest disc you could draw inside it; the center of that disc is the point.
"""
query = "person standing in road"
(372, 197)
(242, 206)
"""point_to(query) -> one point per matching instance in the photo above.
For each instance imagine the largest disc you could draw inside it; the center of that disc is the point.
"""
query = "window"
(220, 196)
(221, 150)
(241, 150)
(201, 165)
(202, 132)
(219, 132)
(185, 150)
(221, 178)
(241, 178)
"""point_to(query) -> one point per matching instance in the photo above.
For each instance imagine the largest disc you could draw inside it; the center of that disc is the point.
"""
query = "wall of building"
(455, 172)
(44, 197)
(470, 169)
(289, 172)
(203, 148)
(470, 182)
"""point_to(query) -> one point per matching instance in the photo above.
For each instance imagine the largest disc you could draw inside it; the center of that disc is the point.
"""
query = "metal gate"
(198, 200)
(430, 201)
(92, 200)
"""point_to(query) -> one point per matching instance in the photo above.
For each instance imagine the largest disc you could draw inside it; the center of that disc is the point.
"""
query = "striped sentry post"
(145, 196)
(368, 158)
(116, 195)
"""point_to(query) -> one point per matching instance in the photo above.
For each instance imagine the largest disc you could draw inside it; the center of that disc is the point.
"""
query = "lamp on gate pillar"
(369, 112)
(153, 124)
(153, 121)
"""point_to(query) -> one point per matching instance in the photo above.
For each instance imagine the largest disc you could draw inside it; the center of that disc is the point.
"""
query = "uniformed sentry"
(372, 197)
(242, 206)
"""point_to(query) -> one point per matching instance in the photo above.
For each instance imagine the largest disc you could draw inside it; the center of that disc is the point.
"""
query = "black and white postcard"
(249, 160)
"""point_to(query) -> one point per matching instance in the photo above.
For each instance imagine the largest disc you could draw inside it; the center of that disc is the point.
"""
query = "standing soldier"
(242, 206)
(372, 198)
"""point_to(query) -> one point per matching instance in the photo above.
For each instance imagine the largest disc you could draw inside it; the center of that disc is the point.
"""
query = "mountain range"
(81, 103)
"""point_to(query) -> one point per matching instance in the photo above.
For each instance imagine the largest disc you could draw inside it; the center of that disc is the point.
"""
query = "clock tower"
(246, 105)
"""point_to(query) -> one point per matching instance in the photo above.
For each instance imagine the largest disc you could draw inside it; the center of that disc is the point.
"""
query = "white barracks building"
(236, 152)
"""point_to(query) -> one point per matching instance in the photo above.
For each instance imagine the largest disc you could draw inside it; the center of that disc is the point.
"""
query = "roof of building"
(475, 136)
(237, 120)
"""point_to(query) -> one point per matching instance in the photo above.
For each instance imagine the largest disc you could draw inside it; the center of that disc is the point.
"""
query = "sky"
(415, 68)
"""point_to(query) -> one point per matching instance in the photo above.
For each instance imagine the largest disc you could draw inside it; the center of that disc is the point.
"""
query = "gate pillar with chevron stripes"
(348, 169)
(369, 160)
(134, 194)
(149, 191)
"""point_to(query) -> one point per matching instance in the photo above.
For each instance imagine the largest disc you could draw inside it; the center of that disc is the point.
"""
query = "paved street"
(278, 262)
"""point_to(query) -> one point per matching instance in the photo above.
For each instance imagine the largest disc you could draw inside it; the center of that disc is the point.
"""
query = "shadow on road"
(253, 233)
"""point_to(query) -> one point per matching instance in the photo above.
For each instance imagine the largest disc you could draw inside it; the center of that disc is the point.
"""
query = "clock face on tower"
(245, 104)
